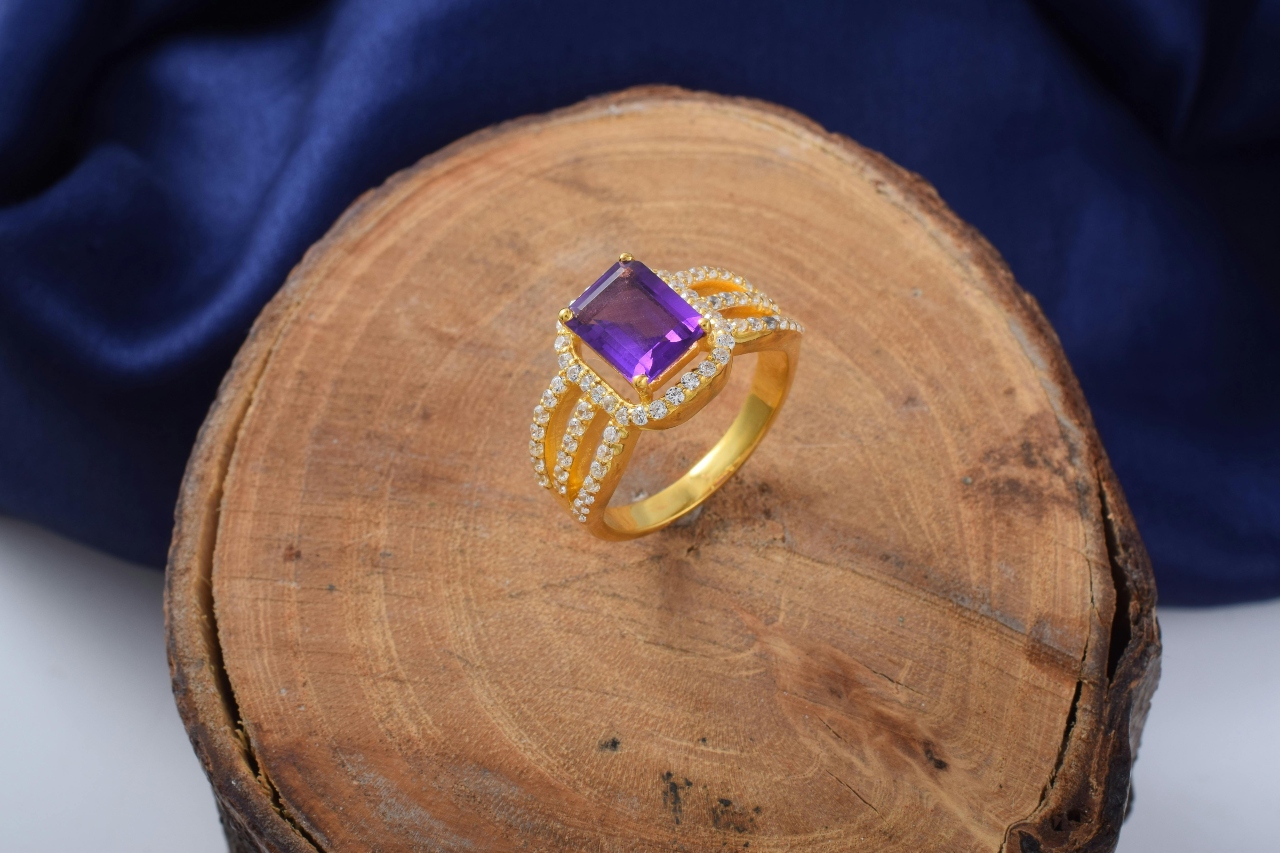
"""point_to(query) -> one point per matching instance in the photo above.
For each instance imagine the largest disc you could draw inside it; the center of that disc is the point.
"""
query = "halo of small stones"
(596, 393)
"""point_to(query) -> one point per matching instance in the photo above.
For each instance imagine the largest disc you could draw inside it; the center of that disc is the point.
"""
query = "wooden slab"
(920, 618)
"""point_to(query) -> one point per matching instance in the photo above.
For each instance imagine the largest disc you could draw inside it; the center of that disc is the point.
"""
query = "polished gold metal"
(565, 315)
(625, 258)
(775, 369)
(583, 441)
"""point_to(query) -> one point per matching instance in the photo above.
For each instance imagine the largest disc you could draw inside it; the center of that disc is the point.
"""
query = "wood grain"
(920, 618)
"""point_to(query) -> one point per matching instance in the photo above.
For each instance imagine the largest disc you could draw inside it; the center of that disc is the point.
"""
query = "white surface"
(1208, 773)
(93, 756)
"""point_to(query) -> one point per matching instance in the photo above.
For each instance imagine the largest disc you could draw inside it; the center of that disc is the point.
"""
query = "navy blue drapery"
(163, 163)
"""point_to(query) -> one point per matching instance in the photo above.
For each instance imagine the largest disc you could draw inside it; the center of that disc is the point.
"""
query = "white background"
(94, 757)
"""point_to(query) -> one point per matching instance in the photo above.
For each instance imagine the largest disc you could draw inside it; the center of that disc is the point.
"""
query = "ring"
(651, 327)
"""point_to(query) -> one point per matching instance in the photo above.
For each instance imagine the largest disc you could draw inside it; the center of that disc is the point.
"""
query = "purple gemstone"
(635, 321)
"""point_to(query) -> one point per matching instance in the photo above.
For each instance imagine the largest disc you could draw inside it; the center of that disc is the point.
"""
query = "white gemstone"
(604, 453)
(544, 481)
(537, 432)
(584, 510)
(588, 499)
(720, 354)
(622, 415)
(540, 467)
(540, 415)
(715, 302)
(683, 277)
(707, 368)
(561, 489)
(730, 300)
(548, 400)
(690, 381)
(746, 285)
(611, 433)
(657, 410)
(724, 339)
(609, 403)
(639, 416)
(597, 394)
(570, 443)
(771, 323)
(700, 305)
(565, 360)
(756, 324)
(575, 427)
(535, 448)
(737, 279)
(586, 380)
(561, 475)
(739, 325)
(582, 518)
(674, 395)
(597, 470)
(590, 485)
(699, 274)
(564, 459)
(562, 341)
(557, 385)
(573, 372)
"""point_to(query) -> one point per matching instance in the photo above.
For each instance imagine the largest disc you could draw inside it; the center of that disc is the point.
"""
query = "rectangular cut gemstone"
(635, 321)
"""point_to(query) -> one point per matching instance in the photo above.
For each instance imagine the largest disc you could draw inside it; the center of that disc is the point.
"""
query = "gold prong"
(640, 382)
(625, 258)
(705, 323)
(565, 315)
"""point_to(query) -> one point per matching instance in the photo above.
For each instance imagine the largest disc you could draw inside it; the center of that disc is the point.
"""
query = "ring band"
(652, 327)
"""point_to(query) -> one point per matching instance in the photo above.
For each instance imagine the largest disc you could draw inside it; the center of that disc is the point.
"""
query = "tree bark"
(919, 618)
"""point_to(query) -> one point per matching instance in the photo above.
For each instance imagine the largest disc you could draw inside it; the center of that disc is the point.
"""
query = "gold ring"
(651, 327)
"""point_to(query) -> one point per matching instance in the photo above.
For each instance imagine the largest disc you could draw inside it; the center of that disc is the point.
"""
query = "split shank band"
(674, 337)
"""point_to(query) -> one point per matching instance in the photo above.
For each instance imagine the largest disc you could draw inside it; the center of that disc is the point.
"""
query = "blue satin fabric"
(163, 164)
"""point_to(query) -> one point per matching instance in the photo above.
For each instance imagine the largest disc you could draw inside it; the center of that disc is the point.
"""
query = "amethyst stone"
(635, 321)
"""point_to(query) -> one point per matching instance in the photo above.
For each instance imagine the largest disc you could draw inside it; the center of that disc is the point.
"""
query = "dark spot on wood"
(968, 481)
(702, 740)
(292, 553)
(1028, 844)
(1028, 454)
(933, 759)
(726, 816)
(893, 559)
(671, 796)
(756, 810)
(332, 588)
(610, 744)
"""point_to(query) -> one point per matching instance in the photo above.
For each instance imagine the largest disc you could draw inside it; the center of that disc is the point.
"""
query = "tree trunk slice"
(920, 618)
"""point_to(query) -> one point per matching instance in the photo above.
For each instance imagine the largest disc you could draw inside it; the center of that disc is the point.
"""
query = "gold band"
(584, 432)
